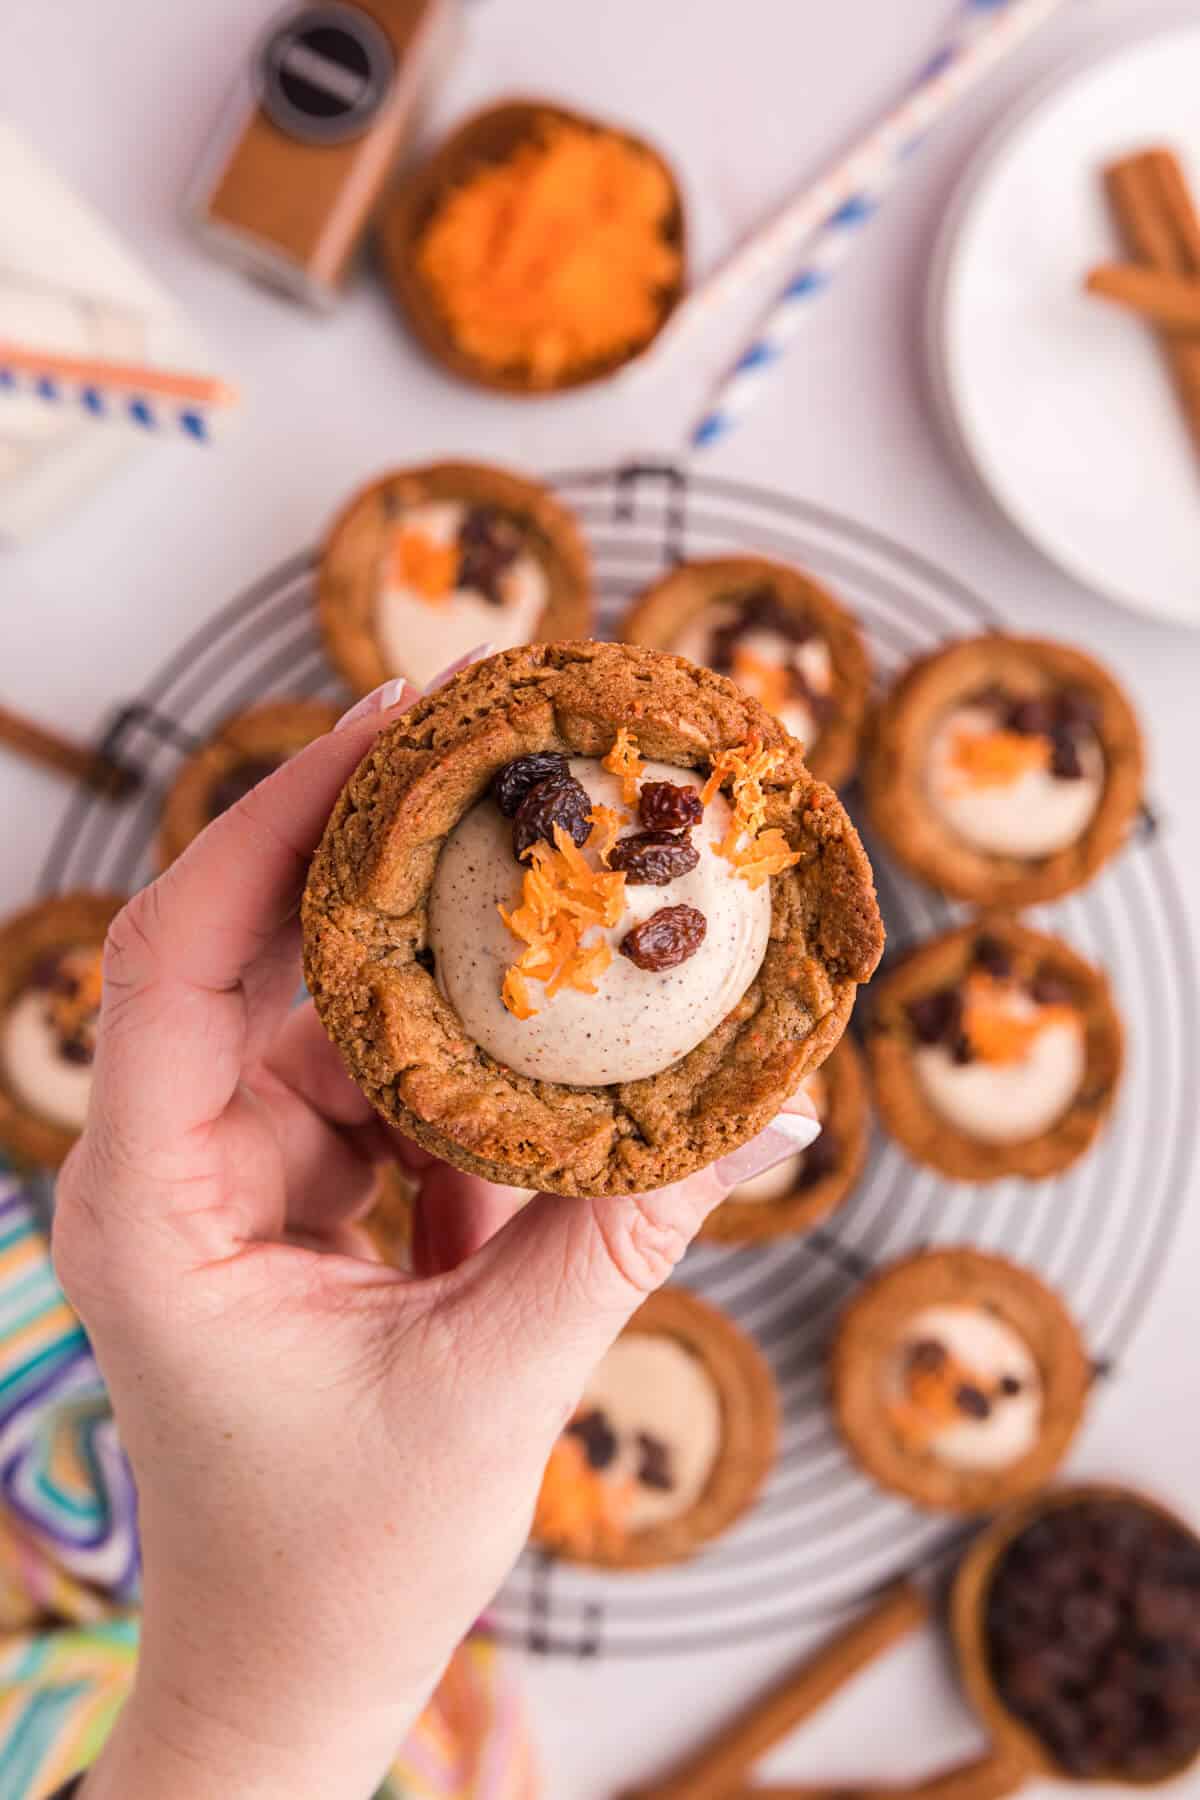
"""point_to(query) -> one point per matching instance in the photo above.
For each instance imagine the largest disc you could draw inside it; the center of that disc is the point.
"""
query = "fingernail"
(458, 665)
(389, 693)
(785, 1136)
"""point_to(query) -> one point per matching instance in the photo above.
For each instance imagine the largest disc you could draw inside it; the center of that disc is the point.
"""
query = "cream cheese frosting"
(1023, 810)
(419, 636)
(1006, 1102)
(650, 1386)
(39, 1076)
(639, 1021)
(763, 656)
(967, 1387)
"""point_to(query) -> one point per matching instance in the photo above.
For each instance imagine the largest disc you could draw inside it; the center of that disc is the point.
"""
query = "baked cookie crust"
(365, 927)
(896, 748)
(750, 1433)
(39, 931)
(848, 1122)
(867, 1337)
(658, 615)
(265, 733)
(353, 548)
(903, 1106)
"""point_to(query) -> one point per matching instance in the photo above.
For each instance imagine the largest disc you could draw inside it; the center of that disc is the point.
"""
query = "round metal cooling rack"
(822, 1536)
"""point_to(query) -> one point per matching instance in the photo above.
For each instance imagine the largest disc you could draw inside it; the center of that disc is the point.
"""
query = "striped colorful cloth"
(69, 1569)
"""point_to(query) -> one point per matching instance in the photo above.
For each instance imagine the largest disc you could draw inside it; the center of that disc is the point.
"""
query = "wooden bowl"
(491, 136)
(968, 1624)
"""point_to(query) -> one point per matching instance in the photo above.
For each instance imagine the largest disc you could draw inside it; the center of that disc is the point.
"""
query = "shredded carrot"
(990, 759)
(562, 898)
(755, 853)
(576, 1507)
(770, 683)
(999, 1031)
(555, 257)
(419, 562)
(606, 826)
(623, 760)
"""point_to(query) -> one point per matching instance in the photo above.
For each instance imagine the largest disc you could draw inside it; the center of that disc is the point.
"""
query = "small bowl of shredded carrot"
(537, 249)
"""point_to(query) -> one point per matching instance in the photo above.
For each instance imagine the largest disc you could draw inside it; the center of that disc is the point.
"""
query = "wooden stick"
(1164, 299)
(135, 377)
(715, 1771)
(991, 1777)
(1156, 214)
(52, 751)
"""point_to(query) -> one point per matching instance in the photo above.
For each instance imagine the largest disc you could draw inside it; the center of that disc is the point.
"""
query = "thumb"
(563, 1278)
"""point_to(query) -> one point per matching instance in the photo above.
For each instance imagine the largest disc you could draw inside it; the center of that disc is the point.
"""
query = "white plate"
(1060, 402)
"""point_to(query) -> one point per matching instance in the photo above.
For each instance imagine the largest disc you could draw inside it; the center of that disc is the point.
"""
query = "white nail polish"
(784, 1137)
(458, 665)
(389, 693)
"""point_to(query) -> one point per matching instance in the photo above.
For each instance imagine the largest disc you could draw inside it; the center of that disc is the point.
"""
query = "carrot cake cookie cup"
(50, 982)
(247, 748)
(994, 1050)
(582, 921)
(537, 249)
(1005, 771)
(797, 1194)
(669, 1446)
(424, 565)
(958, 1379)
(780, 635)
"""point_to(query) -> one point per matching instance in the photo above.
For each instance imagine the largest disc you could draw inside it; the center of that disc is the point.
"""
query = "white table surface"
(121, 94)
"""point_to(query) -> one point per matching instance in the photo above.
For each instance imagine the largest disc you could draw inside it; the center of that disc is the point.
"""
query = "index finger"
(202, 965)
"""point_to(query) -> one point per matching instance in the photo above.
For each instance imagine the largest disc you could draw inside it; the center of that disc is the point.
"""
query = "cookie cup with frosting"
(670, 1445)
(958, 1379)
(516, 1002)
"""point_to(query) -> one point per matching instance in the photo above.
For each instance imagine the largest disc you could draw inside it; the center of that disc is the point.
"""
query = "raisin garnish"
(664, 806)
(597, 1436)
(759, 610)
(488, 545)
(1010, 1386)
(993, 957)
(46, 971)
(1065, 762)
(511, 783)
(559, 801)
(653, 858)
(972, 1402)
(654, 1466)
(927, 1356)
(237, 782)
(1031, 718)
(666, 939)
(937, 1018)
(73, 1050)
(1049, 988)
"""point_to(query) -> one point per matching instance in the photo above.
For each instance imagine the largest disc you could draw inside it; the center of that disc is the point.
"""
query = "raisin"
(488, 545)
(597, 1437)
(927, 1356)
(972, 1402)
(937, 1018)
(652, 858)
(1077, 711)
(511, 783)
(559, 801)
(758, 610)
(237, 782)
(666, 939)
(72, 1050)
(993, 957)
(45, 973)
(1049, 988)
(1065, 763)
(662, 806)
(1031, 718)
(1010, 1387)
(654, 1467)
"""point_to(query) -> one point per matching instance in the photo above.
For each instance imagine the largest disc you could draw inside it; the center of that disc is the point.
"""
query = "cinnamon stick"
(991, 1777)
(715, 1771)
(1161, 227)
(1162, 298)
(52, 751)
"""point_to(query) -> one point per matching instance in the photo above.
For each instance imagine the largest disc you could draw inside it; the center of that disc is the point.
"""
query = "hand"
(336, 1464)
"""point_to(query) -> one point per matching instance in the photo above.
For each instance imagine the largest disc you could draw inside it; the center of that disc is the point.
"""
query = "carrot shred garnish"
(419, 562)
(623, 760)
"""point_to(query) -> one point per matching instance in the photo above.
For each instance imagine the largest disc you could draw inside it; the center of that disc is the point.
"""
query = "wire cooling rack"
(822, 1537)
